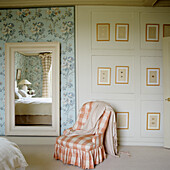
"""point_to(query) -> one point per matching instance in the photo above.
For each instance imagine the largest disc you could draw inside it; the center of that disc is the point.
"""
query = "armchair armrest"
(67, 131)
(98, 139)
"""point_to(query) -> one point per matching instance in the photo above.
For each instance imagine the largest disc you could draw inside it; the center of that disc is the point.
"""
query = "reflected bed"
(33, 111)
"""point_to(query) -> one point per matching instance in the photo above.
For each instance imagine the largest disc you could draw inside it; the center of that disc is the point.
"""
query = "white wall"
(135, 97)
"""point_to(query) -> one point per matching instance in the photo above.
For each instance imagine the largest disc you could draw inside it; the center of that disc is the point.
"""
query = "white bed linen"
(11, 157)
(33, 106)
(29, 100)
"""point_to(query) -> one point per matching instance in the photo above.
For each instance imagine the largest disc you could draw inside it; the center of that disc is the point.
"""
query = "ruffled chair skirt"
(84, 159)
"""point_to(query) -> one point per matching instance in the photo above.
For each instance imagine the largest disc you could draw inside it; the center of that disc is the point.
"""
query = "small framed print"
(166, 30)
(104, 76)
(153, 121)
(122, 75)
(122, 120)
(18, 74)
(122, 32)
(153, 76)
(103, 32)
(152, 32)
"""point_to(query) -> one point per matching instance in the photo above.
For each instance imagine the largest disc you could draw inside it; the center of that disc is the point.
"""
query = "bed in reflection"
(33, 111)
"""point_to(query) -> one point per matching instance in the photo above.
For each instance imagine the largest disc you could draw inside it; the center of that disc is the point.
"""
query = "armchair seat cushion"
(81, 142)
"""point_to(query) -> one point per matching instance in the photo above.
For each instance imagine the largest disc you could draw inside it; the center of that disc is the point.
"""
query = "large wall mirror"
(32, 88)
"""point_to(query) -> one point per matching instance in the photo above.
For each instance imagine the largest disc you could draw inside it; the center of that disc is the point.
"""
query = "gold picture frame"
(122, 75)
(166, 30)
(152, 32)
(121, 32)
(152, 76)
(122, 120)
(103, 76)
(153, 121)
(18, 74)
(103, 32)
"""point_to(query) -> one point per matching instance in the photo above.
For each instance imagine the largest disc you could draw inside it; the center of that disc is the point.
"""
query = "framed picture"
(153, 121)
(166, 30)
(18, 76)
(104, 76)
(153, 76)
(122, 120)
(103, 32)
(152, 32)
(122, 75)
(122, 32)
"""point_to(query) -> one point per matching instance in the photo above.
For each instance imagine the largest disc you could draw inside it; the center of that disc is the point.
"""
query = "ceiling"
(48, 3)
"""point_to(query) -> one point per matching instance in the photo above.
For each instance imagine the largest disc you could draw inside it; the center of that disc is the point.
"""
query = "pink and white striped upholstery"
(83, 116)
(83, 150)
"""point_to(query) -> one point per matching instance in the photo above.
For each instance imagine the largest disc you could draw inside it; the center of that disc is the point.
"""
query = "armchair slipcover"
(84, 144)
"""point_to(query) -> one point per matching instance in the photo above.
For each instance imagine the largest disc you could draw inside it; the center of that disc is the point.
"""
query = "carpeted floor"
(142, 158)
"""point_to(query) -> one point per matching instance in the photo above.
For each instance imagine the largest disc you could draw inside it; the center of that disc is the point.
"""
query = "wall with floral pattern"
(31, 69)
(42, 25)
(34, 73)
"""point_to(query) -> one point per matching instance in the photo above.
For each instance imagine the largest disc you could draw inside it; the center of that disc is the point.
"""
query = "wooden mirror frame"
(33, 47)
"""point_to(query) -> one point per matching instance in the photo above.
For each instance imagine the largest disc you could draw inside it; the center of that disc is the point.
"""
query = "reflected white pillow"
(23, 93)
(17, 95)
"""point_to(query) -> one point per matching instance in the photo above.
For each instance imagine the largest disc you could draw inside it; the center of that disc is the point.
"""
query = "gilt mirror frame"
(34, 47)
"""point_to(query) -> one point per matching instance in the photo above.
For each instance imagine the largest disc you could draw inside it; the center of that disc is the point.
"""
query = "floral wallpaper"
(34, 73)
(42, 25)
(31, 69)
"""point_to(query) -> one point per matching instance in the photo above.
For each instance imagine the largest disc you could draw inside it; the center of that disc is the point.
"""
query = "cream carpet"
(142, 158)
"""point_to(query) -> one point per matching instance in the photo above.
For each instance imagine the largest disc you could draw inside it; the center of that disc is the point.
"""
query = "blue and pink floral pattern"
(31, 69)
(42, 25)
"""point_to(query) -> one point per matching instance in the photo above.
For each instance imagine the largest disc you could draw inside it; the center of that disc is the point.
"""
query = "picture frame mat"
(125, 123)
(154, 115)
(107, 79)
(117, 76)
(121, 32)
(103, 32)
(166, 30)
(152, 32)
(148, 70)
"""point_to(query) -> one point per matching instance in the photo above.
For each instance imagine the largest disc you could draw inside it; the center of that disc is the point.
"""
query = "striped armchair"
(83, 145)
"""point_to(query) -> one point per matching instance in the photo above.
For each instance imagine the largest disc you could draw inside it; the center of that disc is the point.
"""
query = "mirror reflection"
(33, 89)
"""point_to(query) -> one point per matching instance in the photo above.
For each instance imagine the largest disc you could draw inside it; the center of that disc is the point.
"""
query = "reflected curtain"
(46, 64)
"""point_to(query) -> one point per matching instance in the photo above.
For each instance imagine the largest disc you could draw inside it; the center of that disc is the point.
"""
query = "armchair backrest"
(83, 116)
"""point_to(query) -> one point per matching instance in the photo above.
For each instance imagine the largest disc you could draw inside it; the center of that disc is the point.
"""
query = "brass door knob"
(168, 99)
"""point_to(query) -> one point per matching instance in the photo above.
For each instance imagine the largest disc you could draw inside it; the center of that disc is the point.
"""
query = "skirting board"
(141, 142)
(51, 141)
(25, 140)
